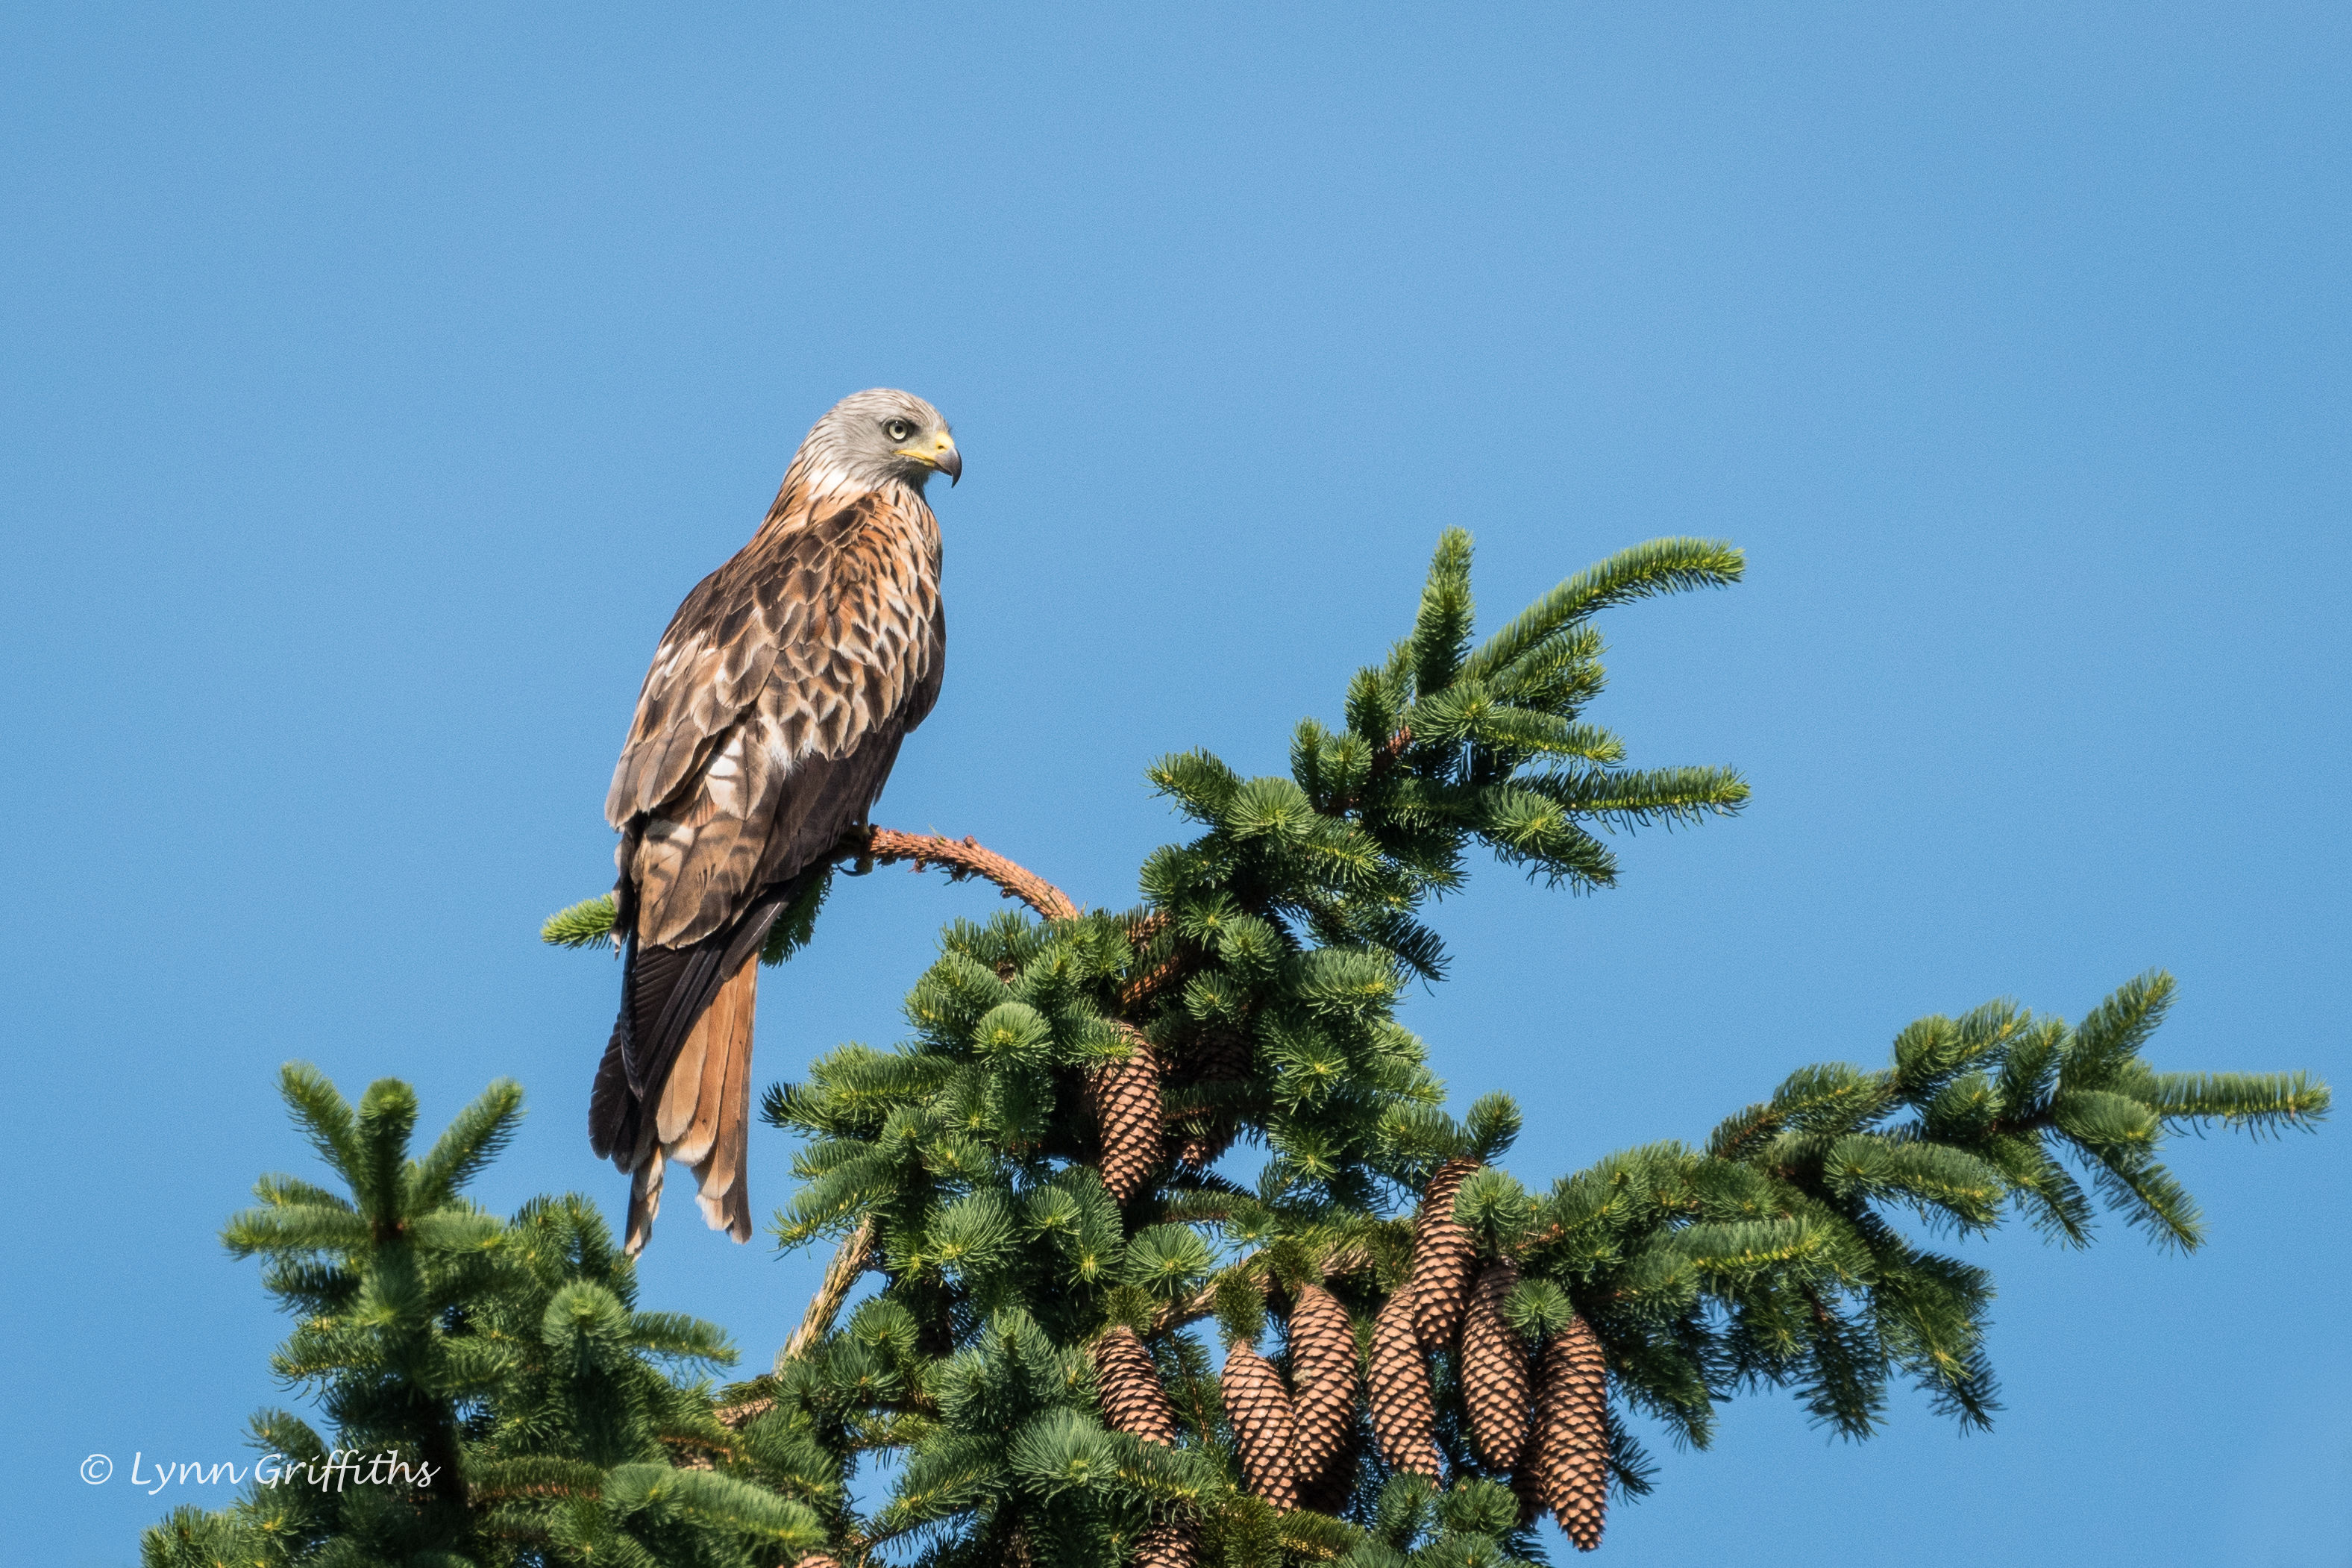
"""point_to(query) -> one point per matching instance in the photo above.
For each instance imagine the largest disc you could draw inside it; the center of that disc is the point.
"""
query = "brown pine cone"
(1125, 1099)
(1323, 1369)
(1404, 1412)
(1203, 1144)
(1221, 1057)
(817, 1560)
(1171, 1544)
(1496, 1386)
(1443, 1256)
(1265, 1426)
(1570, 1448)
(1529, 1490)
(1134, 1399)
(1330, 1491)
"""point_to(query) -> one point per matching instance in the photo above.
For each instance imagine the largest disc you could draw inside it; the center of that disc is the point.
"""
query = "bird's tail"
(701, 1117)
(676, 1080)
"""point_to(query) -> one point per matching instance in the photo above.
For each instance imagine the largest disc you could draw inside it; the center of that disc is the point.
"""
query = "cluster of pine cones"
(1546, 1423)
(1544, 1419)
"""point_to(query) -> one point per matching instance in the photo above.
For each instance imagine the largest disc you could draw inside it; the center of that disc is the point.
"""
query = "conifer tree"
(1033, 1173)
(503, 1362)
(1094, 1335)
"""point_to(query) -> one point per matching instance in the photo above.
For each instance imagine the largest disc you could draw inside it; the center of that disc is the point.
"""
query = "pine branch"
(471, 1142)
(2259, 1102)
(588, 923)
(1342, 1258)
(1660, 566)
(1385, 760)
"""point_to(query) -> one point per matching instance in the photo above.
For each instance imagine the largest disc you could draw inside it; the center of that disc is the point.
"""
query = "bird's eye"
(897, 429)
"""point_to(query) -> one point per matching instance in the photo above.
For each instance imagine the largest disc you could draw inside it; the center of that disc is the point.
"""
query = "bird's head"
(879, 435)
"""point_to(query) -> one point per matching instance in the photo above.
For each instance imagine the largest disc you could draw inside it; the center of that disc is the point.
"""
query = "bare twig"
(964, 857)
(849, 1261)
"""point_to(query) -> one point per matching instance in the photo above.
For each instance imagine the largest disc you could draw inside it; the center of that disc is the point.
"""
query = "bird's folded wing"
(820, 643)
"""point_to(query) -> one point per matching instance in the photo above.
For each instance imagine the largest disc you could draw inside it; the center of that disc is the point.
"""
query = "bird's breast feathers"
(822, 637)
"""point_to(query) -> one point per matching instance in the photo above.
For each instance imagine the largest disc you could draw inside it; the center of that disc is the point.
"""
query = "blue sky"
(375, 385)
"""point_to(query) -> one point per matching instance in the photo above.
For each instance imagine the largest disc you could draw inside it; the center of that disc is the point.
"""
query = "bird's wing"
(773, 709)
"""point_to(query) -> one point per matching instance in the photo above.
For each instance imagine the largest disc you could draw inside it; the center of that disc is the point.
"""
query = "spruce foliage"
(1777, 1256)
(504, 1361)
(1087, 1336)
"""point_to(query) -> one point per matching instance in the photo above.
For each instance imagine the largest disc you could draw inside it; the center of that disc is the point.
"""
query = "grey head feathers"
(873, 437)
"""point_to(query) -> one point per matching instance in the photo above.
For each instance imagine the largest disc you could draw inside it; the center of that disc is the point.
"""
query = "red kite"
(766, 728)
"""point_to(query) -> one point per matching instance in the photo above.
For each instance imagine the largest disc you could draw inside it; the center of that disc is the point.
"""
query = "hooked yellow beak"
(941, 455)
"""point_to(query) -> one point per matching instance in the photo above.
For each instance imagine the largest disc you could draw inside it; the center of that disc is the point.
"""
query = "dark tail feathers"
(663, 991)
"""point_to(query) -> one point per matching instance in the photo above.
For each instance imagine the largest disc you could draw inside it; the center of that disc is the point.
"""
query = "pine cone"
(1495, 1387)
(1171, 1544)
(1133, 1398)
(1570, 1451)
(1125, 1099)
(817, 1560)
(1323, 1368)
(1529, 1492)
(1204, 1145)
(1330, 1491)
(1444, 1254)
(1404, 1412)
(1222, 1057)
(1263, 1425)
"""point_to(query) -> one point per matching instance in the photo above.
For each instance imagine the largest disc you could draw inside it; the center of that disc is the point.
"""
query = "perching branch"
(590, 923)
(964, 857)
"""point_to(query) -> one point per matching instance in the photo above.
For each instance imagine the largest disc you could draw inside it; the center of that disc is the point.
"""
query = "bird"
(767, 726)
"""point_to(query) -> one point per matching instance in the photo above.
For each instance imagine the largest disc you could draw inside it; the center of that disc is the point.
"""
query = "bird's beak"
(942, 456)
